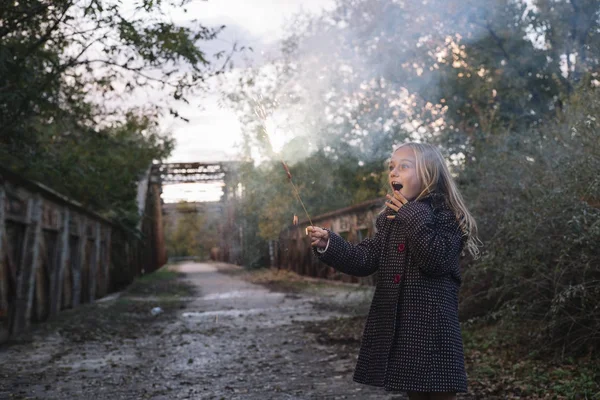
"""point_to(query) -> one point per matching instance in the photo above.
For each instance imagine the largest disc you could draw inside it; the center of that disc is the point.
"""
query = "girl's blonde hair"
(434, 175)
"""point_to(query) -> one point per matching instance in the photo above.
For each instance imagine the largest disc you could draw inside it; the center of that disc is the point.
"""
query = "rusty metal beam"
(170, 173)
(190, 172)
(159, 236)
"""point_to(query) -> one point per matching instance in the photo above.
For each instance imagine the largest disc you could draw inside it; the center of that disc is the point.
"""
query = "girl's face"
(403, 173)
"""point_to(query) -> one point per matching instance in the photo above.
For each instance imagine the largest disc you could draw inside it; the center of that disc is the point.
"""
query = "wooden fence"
(55, 254)
(354, 223)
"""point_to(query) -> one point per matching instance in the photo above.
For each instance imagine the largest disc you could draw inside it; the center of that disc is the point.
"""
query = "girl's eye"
(405, 166)
(390, 168)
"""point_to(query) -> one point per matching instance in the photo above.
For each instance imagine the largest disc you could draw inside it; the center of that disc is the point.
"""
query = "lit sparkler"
(277, 142)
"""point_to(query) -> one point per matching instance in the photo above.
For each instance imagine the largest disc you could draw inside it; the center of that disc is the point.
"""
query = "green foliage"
(509, 93)
(189, 233)
(538, 200)
(67, 68)
(99, 169)
(324, 184)
(496, 367)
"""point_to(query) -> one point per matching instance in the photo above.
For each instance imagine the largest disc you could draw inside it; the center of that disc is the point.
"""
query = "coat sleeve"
(435, 239)
(361, 259)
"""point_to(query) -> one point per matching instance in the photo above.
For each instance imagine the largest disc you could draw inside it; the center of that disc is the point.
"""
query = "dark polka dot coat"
(412, 339)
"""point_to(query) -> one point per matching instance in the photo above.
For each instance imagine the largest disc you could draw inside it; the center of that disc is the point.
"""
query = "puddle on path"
(236, 313)
(243, 294)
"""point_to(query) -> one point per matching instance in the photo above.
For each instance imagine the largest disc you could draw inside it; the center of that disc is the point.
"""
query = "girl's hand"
(395, 202)
(318, 236)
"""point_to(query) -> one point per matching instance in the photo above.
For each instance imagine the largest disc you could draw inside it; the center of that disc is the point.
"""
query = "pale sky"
(213, 131)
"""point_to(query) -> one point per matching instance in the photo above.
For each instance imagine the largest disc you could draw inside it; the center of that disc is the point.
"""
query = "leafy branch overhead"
(97, 45)
(77, 73)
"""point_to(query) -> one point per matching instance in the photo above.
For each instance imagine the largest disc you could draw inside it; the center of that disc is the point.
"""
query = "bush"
(537, 196)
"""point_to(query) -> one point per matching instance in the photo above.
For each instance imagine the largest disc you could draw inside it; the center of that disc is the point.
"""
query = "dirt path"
(230, 340)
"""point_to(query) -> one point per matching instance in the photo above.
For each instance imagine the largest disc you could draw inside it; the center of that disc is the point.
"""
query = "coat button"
(401, 247)
(397, 278)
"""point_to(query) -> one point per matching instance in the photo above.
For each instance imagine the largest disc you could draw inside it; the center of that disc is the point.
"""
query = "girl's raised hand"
(318, 236)
(395, 202)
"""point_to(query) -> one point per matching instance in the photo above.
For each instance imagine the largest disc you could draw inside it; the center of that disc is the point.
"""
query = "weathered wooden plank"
(95, 262)
(15, 204)
(107, 260)
(77, 262)
(4, 274)
(29, 262)
(58, 275)
(50, 216)
(67, 294)
(9, 262)
(41, 293)
(100, 266)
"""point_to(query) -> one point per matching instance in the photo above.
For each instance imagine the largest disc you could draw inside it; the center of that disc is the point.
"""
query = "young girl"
(411, 340)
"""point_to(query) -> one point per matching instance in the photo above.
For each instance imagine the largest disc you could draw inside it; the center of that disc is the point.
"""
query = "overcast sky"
(213, 131)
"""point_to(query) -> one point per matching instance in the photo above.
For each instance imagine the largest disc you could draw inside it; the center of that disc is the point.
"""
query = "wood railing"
(293, 251)
(56, 254)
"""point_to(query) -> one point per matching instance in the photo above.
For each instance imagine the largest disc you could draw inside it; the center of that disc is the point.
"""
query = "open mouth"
(397, 185)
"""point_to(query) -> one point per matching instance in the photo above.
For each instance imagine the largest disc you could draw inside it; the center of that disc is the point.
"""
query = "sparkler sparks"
(277, 142)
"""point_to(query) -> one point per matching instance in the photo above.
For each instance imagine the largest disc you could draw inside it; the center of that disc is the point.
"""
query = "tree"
(507, 89)
(191, 230)
(55, 53)
(68, 69)
(569, 31)
(369, 74)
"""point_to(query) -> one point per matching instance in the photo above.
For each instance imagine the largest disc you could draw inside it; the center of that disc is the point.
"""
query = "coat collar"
(436, 199)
